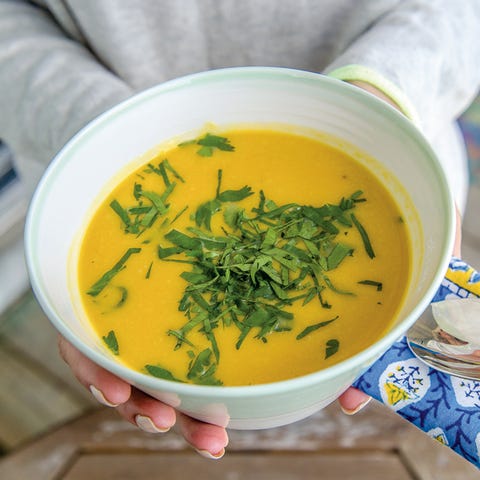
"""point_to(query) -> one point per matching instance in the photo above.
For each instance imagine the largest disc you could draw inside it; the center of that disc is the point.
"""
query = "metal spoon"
(441, 349)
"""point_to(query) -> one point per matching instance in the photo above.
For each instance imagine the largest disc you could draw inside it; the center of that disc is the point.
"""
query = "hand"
(139, 408)
(154, 416)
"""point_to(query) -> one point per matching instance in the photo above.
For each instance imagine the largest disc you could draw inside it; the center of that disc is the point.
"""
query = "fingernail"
(146, 424)
(357, 408)
(207, 454)
(100, 397)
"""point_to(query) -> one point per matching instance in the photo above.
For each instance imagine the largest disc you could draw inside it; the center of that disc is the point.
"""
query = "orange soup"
(245, 257)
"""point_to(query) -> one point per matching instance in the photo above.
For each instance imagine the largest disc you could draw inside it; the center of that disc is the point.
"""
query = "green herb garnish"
(373, 283)
(336, 256)
(136, 219)
(331, 347)
(124, 216)
(208, 143)
(111, 341)
(161, 171)
(149, 271)
(123, 297)
(314, 327)
(99, 285)
(179, 214)
(202, 369)
(245, 272)
(251, 274)
(364, 235)
(160, 372)
(205, 211)
(157, 201)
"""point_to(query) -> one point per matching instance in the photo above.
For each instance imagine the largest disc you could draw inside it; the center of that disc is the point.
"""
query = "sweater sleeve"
(50, 85)
(424, 54)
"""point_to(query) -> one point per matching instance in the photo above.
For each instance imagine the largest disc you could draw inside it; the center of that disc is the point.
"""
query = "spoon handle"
(447, 408)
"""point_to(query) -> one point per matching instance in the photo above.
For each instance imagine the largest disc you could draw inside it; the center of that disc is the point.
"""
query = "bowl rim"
(350, 364)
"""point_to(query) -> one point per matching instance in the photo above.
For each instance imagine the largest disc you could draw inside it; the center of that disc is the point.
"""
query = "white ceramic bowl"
(79, 173)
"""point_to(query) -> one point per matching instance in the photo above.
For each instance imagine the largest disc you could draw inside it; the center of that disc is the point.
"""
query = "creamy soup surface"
(241, 258)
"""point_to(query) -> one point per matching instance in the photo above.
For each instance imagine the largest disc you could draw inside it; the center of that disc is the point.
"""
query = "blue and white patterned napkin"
(447, 408)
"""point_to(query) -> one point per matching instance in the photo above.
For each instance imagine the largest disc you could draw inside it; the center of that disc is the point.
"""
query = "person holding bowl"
(64, 63)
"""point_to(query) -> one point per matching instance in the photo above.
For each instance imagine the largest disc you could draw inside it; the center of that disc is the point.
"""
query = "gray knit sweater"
(62, 62)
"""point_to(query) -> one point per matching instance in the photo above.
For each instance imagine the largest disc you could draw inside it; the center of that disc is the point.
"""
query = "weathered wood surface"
(37, 390)
(285, 466)
(375, 444)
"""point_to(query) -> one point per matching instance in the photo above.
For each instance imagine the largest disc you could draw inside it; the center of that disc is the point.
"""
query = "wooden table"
(375, 444)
